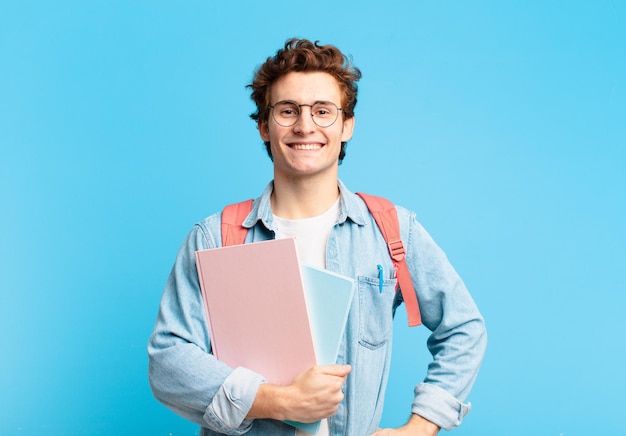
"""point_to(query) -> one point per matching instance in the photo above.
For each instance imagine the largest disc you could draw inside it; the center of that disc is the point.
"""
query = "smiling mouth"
(315, 146)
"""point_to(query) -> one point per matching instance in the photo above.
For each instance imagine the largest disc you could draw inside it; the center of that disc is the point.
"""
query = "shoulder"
(406, 217)
(206, 233)
(405, 214)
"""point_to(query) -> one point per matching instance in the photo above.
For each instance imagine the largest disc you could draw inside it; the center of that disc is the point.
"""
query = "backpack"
(385, 215)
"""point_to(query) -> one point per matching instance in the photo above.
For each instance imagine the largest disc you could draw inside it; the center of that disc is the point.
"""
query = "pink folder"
(257, 314)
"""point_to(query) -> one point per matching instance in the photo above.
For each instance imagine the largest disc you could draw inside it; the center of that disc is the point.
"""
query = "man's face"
(305, 149)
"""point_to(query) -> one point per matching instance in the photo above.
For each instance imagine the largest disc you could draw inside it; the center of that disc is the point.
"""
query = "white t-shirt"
(311, 236)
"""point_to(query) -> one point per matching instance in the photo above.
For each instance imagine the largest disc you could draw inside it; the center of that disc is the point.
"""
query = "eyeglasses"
(286, 113)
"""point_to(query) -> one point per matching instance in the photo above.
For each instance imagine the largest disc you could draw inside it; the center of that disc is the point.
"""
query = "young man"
(305, 97)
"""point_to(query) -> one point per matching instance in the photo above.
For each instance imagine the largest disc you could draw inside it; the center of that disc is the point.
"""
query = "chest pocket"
(375, 311)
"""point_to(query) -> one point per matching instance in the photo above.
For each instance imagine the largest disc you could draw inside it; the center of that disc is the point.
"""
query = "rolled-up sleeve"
(231, 403)
(439, 406)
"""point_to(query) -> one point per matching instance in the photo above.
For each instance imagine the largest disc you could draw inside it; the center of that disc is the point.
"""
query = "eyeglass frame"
(299, 106)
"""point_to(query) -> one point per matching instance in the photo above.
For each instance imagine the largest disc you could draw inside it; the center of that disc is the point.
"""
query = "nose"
(305, 123)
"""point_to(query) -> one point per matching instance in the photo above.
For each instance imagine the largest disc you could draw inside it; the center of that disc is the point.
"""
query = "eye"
(323, 110)
(287, 110)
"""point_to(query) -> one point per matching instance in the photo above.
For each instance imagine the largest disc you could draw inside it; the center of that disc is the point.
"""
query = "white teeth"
(306, 146)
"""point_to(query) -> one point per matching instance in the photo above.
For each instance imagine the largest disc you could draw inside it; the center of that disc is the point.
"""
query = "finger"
(336, 370)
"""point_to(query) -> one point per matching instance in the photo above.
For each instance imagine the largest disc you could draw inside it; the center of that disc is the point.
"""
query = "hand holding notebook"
(267, 314)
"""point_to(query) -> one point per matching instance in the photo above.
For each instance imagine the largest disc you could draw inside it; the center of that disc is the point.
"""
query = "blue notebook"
(328, 298)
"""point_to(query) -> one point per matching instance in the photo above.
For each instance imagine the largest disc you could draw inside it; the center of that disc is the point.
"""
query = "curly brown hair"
(302, 55)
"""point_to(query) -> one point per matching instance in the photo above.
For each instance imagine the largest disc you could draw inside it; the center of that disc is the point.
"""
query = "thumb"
(336, 370)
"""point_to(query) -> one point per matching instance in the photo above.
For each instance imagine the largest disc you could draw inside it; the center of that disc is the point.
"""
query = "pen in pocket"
(380, 278)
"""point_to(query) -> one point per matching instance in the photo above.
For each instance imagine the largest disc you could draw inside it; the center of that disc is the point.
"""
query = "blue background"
(501, 123)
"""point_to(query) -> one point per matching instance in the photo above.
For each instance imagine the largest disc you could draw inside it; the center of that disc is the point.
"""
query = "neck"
(298, 199)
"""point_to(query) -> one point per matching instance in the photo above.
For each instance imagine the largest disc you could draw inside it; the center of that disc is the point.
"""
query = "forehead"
(306, 87)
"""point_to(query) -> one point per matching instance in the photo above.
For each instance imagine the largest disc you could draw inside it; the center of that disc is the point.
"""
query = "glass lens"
(324, 113)
(286, 113)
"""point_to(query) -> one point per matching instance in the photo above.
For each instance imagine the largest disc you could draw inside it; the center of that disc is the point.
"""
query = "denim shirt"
(189, 380)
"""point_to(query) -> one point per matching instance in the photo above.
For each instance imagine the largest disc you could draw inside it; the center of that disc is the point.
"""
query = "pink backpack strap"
(386, 216)
(233, 215)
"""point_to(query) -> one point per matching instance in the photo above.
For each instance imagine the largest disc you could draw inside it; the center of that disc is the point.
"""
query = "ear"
(264, 130)
(348, 128)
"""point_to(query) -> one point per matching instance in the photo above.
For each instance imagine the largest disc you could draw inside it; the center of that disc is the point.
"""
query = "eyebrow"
(306, 104)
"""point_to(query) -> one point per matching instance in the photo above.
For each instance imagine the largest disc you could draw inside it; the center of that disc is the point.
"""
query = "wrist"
(269, 403)
(422, 426)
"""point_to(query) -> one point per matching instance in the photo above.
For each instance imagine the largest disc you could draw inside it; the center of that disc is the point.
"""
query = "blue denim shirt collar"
(349, 207)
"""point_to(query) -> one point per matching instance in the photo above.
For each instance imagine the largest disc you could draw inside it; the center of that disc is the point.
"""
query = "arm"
(458, 339)
(183, 374)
